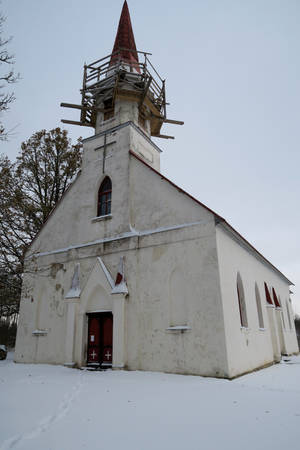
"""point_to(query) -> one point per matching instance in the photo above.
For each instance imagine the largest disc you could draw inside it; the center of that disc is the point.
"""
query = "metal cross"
(104, 147)
(104, 154)
(93, 354)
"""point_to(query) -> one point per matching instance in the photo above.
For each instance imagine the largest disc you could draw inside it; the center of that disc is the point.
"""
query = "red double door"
(100, 339)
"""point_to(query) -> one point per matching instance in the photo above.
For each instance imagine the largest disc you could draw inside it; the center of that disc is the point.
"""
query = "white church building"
(130, 271)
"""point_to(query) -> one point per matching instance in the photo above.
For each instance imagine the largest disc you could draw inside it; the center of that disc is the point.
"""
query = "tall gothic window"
(282, 316)
(242, 301)
(288, 314)
(104, 198)
(276, 301)
(268, 296)
(259, 308)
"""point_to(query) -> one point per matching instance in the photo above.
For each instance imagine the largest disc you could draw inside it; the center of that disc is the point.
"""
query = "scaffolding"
(114, 77)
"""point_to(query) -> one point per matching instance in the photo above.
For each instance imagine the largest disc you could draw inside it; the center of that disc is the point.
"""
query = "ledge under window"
(245, 329)
(39, 332)
(179, 329)
(262, 329)
(100, 218)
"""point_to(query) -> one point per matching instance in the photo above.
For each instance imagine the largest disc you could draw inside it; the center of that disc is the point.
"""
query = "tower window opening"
(142, 119)
(108, 109)
(104, 198)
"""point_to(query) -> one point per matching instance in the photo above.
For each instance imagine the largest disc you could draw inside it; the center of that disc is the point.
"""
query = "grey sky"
(232, 71)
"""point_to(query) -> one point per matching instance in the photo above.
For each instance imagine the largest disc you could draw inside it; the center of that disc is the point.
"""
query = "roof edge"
(175, 186)
(119, 127)
(239, 237)
(219, 221)
(52, 211)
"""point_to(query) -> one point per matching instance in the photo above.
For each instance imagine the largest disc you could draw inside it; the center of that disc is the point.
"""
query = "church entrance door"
(100, 338)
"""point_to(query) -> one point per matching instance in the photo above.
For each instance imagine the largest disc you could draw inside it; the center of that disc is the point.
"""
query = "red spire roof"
(125, 40)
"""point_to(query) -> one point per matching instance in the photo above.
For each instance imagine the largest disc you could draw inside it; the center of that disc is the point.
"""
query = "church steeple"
(124, 47)
(120, 88)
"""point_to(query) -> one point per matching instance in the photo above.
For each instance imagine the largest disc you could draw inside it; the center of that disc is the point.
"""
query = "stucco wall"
(154, 265)
(185, 258)
(74, 222)
(175, 266)
(170, 273)
(154, 202)
(251, 347)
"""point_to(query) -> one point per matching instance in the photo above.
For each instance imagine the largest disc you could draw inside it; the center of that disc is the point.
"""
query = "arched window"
(288, 314)
(104, 198)
(259, 308)
(268, 296)
(275, 298)
(242, 302)
(282, 315)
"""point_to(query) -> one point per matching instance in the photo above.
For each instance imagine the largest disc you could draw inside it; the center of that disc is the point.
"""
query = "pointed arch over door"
(104, 198)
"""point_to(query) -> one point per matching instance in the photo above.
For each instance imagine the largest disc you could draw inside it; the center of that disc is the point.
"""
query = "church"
(130, 271)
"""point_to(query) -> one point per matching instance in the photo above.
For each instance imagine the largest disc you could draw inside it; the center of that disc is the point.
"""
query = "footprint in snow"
(46, 423)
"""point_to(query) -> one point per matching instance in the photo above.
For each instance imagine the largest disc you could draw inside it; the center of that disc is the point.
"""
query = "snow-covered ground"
(51, 407)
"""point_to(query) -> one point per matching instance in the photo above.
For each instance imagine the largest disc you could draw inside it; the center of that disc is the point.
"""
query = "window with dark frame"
(108, 109)
(268, 296)
(288, 314)
(259, 308)
(275, 298)
(104, 198)
(241, 301)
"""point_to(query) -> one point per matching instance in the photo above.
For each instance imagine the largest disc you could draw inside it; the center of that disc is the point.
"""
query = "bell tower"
(123, 87)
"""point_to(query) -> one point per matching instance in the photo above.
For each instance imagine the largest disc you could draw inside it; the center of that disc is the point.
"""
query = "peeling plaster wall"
(173, 275)
(190, 256)
(72, 222)
(151, 263)
(154, 264)
(42, 308)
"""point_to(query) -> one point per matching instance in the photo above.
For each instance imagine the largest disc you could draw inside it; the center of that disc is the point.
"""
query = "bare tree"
(7, 76)
(29, 190)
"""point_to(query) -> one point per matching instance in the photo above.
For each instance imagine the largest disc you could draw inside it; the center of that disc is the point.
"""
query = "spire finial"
(124, 46)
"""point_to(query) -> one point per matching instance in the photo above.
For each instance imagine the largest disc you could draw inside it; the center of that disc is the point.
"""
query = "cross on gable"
(104, 147)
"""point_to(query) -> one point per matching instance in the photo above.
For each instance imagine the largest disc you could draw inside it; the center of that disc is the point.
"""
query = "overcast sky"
(232, 71)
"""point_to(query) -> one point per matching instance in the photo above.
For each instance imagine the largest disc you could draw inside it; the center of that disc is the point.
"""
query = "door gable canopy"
(100, 285)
